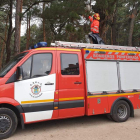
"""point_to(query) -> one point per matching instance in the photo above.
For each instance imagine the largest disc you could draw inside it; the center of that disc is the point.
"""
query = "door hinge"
(99, 101)
(88, 105)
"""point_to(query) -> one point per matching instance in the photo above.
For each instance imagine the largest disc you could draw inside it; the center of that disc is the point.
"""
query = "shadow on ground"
(65, 123)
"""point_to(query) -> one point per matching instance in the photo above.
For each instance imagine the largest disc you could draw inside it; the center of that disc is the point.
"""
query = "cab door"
(71, 84)
(36, 91)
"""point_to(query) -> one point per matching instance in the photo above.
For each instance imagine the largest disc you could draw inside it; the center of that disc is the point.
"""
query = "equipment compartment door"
(102, 80)
(98, 105)
(71, 84)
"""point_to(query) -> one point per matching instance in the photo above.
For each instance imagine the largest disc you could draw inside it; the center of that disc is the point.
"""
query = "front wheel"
(8, 122)
(121, 111)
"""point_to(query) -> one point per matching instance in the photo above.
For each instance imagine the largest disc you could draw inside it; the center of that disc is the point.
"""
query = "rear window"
(69, 64)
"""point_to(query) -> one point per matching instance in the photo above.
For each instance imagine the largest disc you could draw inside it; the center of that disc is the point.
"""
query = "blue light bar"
(39, 45)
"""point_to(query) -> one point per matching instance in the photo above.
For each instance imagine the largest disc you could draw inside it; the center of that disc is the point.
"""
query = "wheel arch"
(15, 107)
(128, 101)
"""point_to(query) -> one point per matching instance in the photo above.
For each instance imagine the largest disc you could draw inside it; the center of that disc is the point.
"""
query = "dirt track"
(82, 128)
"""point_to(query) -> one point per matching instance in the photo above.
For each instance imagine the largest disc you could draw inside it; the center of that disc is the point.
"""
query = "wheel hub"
(5, 123)
(122, 111)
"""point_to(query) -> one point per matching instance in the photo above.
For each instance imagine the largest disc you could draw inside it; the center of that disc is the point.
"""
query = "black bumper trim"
(51, 106)
(71, 104)
(37, 107)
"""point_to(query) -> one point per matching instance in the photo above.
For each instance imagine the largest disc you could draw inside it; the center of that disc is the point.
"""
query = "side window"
(27, 68)
(41, 65)
(69, 64)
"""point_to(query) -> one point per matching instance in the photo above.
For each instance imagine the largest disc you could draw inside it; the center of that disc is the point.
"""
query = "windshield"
(11, 64)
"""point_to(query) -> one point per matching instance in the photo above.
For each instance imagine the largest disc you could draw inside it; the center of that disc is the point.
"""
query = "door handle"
(77, 82)
(49, 83)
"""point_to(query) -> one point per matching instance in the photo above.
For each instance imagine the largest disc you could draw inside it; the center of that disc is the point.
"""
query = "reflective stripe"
(96, 27)
(73, 98)
(111, 95)
(93, 29)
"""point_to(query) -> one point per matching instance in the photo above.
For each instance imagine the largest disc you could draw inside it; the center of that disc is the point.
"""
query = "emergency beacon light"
(39, 45)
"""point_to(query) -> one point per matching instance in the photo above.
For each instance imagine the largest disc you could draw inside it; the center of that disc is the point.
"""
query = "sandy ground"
(83, 128)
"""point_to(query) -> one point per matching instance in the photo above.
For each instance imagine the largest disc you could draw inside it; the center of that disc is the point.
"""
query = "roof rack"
(95, 46)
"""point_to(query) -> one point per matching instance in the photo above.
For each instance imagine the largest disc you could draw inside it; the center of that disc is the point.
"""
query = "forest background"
(65, 20)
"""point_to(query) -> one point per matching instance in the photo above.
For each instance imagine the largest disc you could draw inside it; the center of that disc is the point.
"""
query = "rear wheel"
(8, 123)
(121, 111)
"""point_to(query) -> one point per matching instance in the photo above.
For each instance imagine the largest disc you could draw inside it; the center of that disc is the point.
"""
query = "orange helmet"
(96, 16)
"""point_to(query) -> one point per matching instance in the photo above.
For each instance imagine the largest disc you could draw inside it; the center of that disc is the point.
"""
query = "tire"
(8, 122)
(121, 111)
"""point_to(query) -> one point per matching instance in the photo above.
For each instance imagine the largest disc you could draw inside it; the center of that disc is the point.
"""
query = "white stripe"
(37, 116)
(95, 30)
(96, 27)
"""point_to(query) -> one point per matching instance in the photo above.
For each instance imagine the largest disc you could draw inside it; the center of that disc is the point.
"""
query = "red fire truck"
(69, 80)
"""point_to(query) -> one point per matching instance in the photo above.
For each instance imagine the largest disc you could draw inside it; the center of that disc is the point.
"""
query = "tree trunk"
(103, 29)
(114, 31)
(17, 25)
(27, 41)
(3, 45)
(111, 36)
(28, 31)
(44, 31)
(20, 21)
(8, 49)
(133, 17)
(118, 38)
(114, 25)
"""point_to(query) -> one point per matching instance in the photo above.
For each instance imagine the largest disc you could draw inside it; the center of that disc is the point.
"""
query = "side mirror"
(19, 73)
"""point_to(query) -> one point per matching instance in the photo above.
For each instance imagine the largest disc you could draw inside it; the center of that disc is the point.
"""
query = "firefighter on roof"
(95, 23)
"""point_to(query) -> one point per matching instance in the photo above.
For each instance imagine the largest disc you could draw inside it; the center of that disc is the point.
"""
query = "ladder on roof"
(93, 46)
